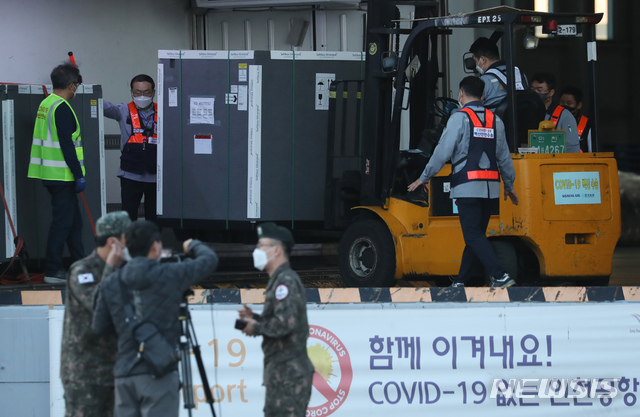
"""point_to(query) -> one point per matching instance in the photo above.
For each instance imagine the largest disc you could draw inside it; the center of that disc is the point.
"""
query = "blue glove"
(80, 184)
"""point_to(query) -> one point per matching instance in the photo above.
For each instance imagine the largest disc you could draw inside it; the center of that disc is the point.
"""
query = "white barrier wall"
(422, 359)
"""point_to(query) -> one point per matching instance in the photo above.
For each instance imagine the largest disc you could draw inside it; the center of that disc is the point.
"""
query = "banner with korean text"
(436, 359)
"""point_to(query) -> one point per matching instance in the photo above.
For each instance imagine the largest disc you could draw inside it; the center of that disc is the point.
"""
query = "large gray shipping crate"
(243, 134)
(28, 200)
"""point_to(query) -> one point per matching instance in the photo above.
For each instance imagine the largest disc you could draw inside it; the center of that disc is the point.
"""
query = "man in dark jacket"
(57, 158)
(288, 371)
(156, 291)
(475, 140)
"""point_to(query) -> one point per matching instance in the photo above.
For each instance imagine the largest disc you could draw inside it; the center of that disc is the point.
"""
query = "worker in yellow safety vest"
(57, 158)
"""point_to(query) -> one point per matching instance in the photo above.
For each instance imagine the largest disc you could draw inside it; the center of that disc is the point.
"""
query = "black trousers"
(66, 227)
(131, 193)
(478, 252)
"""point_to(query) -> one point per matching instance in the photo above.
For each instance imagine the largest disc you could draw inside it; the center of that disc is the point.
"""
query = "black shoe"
(503, 282)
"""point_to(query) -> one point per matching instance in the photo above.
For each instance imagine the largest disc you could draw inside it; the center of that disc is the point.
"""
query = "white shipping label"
(202, 110)
(323, 82)
(242, 75)
(173, 96)
(242, 98)
(202, 144)
(254, 154)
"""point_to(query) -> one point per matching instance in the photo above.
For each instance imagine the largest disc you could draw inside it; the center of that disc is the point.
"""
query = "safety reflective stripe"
(476, 121)
(49, 163)
(482, 175)
(503, 78)
(582, 125)
(556, 115)
(53, 154)
(46, 143)
(136, 127)
(50, 118)
(53, 144)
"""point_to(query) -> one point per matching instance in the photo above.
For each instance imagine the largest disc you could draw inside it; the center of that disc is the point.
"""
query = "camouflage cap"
(114, 223)
(273, 231)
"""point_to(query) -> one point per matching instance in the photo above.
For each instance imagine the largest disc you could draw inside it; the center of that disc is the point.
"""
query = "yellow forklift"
(568, 221)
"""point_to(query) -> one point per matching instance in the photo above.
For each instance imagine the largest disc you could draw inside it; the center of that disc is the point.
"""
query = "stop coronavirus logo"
(333, 372)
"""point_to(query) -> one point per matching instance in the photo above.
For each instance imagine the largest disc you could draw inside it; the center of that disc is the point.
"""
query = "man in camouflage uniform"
(87, 359)
(288, 371)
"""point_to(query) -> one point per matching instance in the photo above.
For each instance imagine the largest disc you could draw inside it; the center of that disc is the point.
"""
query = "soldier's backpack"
(153, 348)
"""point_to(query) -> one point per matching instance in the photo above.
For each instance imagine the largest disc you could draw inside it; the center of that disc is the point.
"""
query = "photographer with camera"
(141, 303)
(288, 371)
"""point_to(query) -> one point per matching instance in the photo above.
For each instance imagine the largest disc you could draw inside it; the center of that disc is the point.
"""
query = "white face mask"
(479, 70)
(126, 256)
(260, 259)
(143, 101)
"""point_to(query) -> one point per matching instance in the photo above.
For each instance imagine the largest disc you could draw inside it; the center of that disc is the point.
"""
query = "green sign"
(553, 141)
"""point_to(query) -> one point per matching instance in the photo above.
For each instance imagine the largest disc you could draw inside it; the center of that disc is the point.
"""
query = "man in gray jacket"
(474, 140)
(544, 84)
(156, 291)
(493, 71)
(138, 121)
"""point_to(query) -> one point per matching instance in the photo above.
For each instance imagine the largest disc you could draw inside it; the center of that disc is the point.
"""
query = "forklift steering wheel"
(442, 106)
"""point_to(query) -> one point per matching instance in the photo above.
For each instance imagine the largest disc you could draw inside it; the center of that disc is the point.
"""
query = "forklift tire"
(508, 259)
(366, 255)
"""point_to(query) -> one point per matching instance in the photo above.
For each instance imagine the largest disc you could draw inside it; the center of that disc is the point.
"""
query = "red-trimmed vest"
(482, 140)
(555, 116)
(140, 153)
(582, 124)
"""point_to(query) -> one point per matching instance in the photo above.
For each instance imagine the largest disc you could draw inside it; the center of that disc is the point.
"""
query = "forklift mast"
(388, 66)
(379, 130)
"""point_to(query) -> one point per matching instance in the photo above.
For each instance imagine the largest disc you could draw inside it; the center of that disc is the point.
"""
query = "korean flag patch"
(86, 278)
(281, 292)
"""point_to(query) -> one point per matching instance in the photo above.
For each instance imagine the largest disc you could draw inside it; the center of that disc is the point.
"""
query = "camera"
(240, 324)
(168, 257)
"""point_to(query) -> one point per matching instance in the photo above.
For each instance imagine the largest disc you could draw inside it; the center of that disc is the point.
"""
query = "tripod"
(188, 343)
